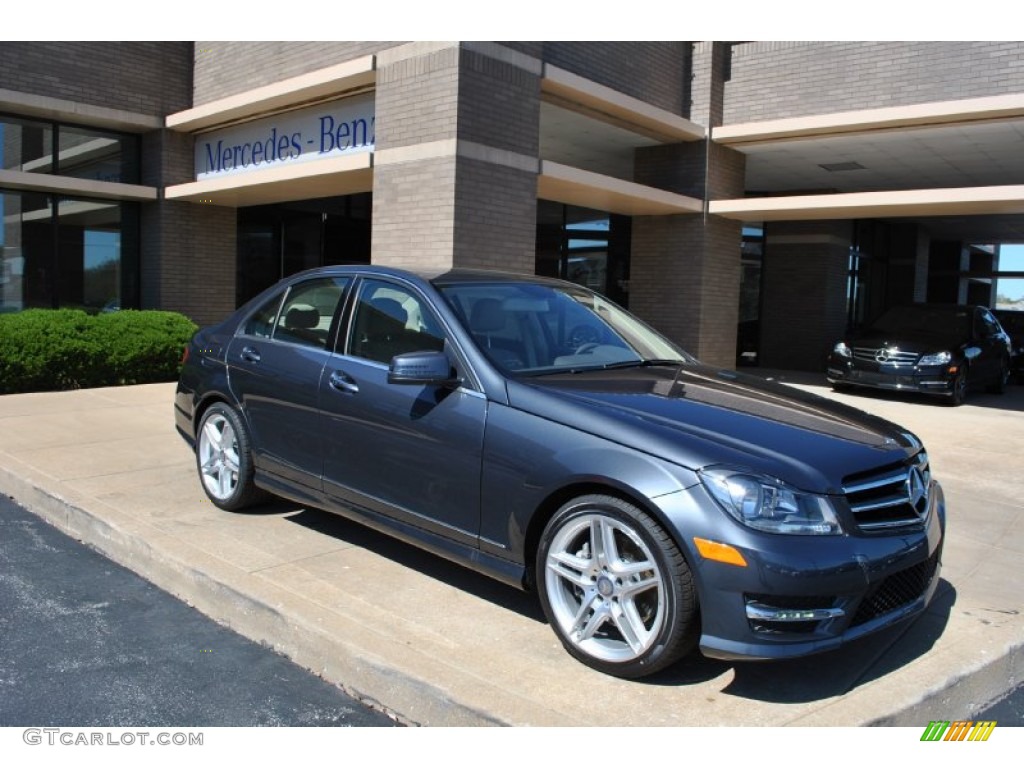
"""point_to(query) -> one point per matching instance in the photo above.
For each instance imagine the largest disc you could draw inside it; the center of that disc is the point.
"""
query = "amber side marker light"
(723, 553)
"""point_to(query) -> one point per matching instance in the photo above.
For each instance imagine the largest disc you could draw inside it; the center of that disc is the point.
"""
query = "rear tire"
(615, 588)
(998, 387)
(224, 459)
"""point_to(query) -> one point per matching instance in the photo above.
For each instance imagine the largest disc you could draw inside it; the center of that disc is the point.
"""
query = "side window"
(261, 322)
(308, 309)
(988, 325)
(390, 320)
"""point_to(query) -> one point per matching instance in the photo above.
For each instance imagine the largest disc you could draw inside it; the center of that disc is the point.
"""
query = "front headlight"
(766, 504)
(939, 358)
(842, 350)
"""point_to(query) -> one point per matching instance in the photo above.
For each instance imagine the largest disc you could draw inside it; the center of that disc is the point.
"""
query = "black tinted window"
(261, 322)
(309, 310)
(392, 320)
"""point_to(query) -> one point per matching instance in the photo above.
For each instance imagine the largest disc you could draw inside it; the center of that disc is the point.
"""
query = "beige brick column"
(455, 170)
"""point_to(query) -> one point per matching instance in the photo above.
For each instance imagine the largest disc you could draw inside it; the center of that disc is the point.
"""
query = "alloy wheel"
(605, 589)
(218, 457)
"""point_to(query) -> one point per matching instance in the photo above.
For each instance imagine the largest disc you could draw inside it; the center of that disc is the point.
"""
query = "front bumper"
(932, 380)
(800, 595)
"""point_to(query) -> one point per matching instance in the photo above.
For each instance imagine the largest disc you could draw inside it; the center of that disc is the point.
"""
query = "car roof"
(437, 276)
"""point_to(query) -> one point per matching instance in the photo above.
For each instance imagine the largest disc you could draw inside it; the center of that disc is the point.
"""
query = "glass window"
(309, 310)
(391, 320)
(26, 145)
(64, 252)
(82, 153)
(261, 322)
(85, 153)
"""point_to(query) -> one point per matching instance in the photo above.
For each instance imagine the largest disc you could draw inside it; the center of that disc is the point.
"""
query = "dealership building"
(751, 200)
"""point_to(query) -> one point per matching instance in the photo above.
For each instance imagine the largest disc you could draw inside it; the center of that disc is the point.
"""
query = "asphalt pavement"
(86, 642)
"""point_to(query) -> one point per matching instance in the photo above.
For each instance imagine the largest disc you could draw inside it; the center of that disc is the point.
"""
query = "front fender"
(527, 459)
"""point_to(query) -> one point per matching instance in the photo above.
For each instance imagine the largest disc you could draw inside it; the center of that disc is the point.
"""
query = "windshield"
(533, 328)
(948, 322)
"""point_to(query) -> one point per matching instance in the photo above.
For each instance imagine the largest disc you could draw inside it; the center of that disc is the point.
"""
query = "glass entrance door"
(275, 241)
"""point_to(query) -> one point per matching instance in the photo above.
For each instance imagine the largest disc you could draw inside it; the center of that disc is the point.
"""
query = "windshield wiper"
(641, 364)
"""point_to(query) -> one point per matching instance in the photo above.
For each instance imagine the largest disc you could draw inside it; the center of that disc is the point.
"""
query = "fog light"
(762, 612)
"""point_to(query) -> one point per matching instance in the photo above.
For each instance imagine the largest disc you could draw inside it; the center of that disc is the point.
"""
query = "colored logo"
(960, 730)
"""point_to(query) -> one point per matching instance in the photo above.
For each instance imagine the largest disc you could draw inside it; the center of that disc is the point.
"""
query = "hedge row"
(49, 349)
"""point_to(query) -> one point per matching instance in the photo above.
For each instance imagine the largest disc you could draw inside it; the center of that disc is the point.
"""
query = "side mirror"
(421, 368)
(972, 352)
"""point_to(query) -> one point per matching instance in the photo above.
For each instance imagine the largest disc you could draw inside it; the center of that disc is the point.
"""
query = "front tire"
(615, 588)
(959, 392)
(224, 459)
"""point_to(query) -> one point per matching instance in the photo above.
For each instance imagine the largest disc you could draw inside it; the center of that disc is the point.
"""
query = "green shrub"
(49, 349)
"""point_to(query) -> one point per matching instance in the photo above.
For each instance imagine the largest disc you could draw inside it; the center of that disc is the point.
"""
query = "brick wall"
(152, 78)
(499, 104)
(655, 72)
(803, 292)
(685, 270)
(226, 68)
(188, 259)
(788, 79)
(187, 250)
(417, 99)
(495, 217)
(414, 213)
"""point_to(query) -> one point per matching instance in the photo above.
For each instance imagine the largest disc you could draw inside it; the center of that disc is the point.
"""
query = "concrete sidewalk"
(436, 644)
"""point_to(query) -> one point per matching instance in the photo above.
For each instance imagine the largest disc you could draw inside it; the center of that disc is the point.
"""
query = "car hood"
(697, 416)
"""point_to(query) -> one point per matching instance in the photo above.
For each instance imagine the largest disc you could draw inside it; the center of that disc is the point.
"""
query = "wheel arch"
(556, 499)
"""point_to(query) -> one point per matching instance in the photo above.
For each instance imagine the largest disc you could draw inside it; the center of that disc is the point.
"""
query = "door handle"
(251, 354)
(342, 382)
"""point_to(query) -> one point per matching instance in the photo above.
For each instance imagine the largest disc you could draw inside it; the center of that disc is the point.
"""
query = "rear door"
(274, 368)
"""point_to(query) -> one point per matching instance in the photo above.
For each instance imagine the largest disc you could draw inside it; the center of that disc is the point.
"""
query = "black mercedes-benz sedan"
(938, 349)
(534, 431)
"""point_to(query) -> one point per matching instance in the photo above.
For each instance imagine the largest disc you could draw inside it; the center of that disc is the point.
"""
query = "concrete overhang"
(965, 201)
(69, 186)
(602, 103)
(860, 121)
(67, 111)
(344, 175)
(574, 186)
(345, 78)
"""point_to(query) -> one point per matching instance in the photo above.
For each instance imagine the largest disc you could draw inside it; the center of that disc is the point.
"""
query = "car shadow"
(1011, 400)
(839, 672)
(807, 679)
(409, 556)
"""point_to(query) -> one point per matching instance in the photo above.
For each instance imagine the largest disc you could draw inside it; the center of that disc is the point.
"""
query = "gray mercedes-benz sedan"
(532, 430)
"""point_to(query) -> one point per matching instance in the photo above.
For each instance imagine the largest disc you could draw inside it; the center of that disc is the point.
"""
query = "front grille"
(897, 590)
(888, 355)
(896, 496)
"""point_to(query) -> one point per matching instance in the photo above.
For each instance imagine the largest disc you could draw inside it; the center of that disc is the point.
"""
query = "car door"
(411, 452)
(988, 339)
(274, 368)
